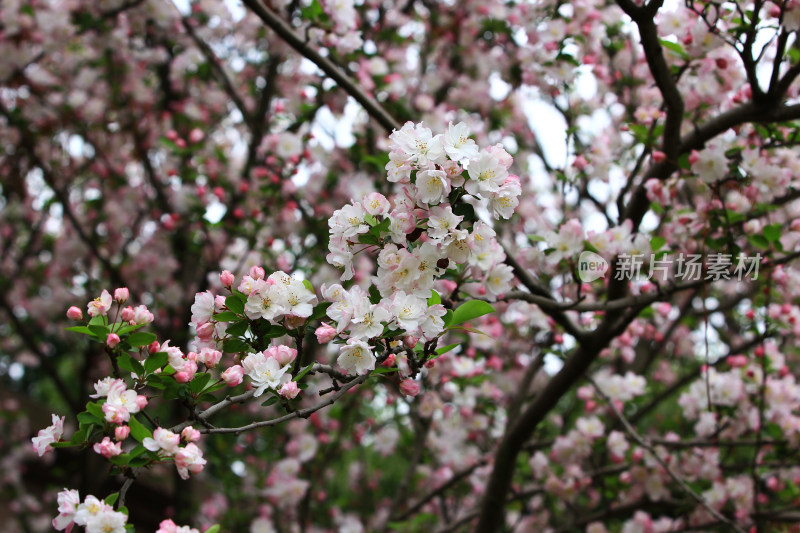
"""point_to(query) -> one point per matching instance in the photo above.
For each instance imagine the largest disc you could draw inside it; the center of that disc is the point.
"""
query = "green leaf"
(772, 232)
(657, 242)
(141, 338)
(466, 328)
(270, 401)
(435, 299)
(225, 316)
(374, 295)
(237, 329)
(307, 284)
(128, 363)
(155, 361)
(96, 409)
(98, 320)
(235, 303)
(367, 238)
(79, 329)
(384, 370)
(199, 382)
(138, 430)
(88, 418)
(759, 241)
(275, 331)
(101, 332)
(303, 372)
(120, 460)
(470, 310)
(675, 48)
(443, 350)
(319, 311)
(213, 529)
(235, 346)
(111, 499)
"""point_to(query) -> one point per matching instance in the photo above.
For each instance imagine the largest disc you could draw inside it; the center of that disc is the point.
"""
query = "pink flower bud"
(210, 357)
(189, 434)
(282, 353)
(205, 331)
(410, 341)
(153, 347)
(74, 313)
(325, 333)
(128, 314)
(409, 387)
(121, 432)
(256, 272)
(233, 376)
(121, 295)
(112, 340)
(141, 401)
(289, 390)
(196, 135)
(226, 278)
(108, 449)
(182, 377)
(389, 360)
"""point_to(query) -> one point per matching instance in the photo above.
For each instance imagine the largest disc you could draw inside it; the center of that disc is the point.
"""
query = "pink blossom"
(189, 434)
(233, 375)
(409, 387)
(121, 295)
(108, 449)
(48, 435)
(189, 459)
(112, 340)
(121, 432)
(227, 279)
(163, 439)
(325, 333)
(74, 313)
(100, 306)
(68, 502)
(289, 390)
(283, 354)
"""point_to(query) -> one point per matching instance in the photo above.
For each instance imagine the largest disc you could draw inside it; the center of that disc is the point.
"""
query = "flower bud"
(233, 376)
(189, 434)
(74, 313)
(325, 333)
(289, 390)
(256, 272)
(112, 340)
(121, 433)
(409, 387)
(226, 278)
(141, 401)
(121, 295)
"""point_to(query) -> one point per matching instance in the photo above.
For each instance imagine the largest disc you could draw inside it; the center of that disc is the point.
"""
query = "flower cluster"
(120, 402)
(96, 515)
(49, 435)
(188, 458)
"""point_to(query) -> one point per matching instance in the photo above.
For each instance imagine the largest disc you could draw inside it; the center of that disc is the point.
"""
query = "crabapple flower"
(226, 278)
(457, 143)
(710, 164)
(168, 526)
(268, 300)
(432, 186)
(112, 340)
(121, 432)
(266, 372)
(498, 279)
(289, 390)
(376, 204)
(48, 435)
(356, 357)
(100, 306)
(68, 502)
(107, 521)
(89, 509)
(233, 375)
(74, 313)
(325, 333)
(409, 387)
(107, 449)
(121, 295)
(486, 174)
(189, 434)
(418, 144)
(189, 459)
(163, 439)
